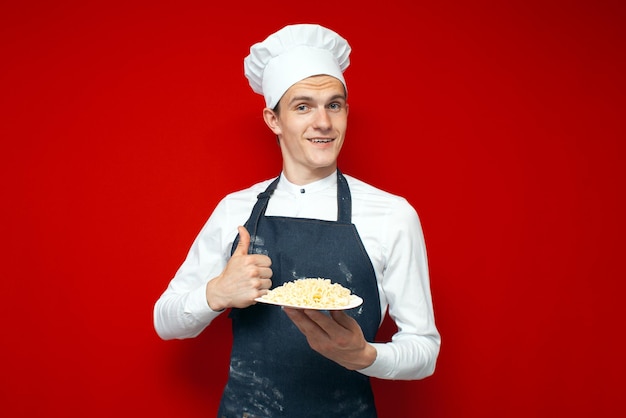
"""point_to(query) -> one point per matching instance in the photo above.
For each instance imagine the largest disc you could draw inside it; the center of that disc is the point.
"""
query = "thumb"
(244, 241)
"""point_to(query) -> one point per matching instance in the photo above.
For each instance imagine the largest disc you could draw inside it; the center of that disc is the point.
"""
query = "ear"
(271, 120)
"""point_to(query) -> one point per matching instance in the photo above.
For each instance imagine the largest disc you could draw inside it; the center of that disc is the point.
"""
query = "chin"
(322, 164)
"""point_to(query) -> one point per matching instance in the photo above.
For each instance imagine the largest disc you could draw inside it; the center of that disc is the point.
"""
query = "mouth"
(321, 140)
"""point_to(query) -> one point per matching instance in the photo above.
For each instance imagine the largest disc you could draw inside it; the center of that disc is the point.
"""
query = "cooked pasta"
(311, 292)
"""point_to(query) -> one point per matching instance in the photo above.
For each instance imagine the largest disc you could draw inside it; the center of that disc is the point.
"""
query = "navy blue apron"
(273, 371)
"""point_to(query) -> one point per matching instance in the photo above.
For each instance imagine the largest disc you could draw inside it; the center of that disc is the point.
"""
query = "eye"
(302, 108)
(335, 106)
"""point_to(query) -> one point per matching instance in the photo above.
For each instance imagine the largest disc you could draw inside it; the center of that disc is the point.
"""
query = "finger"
(337, 321)
(264, 284)
(342, 319)
(260, 260)
(244, 241)
(301, 320)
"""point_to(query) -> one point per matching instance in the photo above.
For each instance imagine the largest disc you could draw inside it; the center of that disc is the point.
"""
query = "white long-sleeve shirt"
(391, 233)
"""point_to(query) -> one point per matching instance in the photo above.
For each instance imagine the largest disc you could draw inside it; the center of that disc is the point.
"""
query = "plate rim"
(355, 301)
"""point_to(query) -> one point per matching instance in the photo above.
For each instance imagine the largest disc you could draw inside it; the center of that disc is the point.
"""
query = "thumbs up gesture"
(245, 277)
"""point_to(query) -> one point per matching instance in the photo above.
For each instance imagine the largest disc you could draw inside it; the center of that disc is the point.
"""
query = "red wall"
(123, 124)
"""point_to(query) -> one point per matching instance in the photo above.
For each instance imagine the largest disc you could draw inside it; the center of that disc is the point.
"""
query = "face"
(310, 126)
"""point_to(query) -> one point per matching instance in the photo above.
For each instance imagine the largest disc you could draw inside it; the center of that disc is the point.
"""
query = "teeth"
(320, 141)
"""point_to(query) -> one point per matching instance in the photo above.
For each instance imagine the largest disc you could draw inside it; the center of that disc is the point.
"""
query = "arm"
(182, 310)
(413, 350)
(210, 280)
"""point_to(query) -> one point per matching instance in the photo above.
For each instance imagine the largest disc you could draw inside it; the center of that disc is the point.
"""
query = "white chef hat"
(292, 54)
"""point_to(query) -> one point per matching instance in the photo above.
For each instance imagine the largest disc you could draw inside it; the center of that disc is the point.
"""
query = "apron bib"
(273, 371)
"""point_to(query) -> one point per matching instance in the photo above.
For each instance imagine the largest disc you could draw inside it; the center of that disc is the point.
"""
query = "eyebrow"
(310, 98)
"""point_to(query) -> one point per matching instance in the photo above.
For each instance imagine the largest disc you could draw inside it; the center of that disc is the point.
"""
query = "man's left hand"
(337, 337)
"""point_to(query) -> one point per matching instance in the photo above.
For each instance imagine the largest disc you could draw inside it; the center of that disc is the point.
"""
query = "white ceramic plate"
(353, 303)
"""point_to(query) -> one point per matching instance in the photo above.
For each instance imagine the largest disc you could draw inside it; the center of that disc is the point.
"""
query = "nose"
(322, 119)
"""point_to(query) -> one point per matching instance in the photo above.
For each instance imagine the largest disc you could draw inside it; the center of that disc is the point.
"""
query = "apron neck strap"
(344, 199)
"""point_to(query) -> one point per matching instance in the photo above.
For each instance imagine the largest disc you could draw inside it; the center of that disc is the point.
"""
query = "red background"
(123, 124)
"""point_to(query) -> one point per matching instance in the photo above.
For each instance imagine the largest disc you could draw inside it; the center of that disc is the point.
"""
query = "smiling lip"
(321, 140)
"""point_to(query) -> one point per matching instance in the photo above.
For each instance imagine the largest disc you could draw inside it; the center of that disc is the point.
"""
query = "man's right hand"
(246, 277)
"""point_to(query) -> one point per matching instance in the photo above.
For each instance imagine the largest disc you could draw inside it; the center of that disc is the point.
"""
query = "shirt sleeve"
(182, 311)
(413, 350)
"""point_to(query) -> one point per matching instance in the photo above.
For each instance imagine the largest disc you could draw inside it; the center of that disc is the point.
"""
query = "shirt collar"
(316, 186)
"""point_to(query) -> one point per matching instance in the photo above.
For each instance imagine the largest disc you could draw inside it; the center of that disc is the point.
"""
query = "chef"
(310, 221)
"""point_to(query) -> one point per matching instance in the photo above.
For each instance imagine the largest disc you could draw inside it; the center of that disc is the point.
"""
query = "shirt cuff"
(382, 366)
(198, 307)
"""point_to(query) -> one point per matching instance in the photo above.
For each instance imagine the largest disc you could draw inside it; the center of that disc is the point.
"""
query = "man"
(311, 221)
